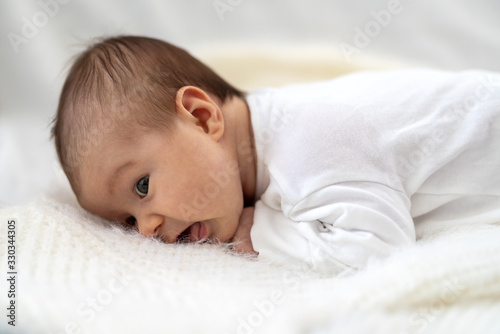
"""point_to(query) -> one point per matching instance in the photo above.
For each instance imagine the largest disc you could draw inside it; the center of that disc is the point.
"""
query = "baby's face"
(182, 187)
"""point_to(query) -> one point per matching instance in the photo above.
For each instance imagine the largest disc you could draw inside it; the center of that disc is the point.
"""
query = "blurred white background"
(39, 37)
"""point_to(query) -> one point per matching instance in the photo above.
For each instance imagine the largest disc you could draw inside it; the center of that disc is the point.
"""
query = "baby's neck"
(238, 127)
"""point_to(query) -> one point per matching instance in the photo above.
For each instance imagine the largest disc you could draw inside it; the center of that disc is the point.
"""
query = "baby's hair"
(124, 78)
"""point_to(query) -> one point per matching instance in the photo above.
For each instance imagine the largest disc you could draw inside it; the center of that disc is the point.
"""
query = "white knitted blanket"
(77, 274)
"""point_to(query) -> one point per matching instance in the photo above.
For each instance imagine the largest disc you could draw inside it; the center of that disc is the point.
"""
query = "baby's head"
(140, 133)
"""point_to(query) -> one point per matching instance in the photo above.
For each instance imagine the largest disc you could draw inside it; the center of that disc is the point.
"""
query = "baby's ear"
(194, 105)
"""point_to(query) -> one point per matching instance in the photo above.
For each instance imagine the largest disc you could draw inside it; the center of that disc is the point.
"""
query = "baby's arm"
(241, 238)
(335, 229)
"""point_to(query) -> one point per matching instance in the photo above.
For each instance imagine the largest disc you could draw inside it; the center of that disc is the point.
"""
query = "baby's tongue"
(194, 231)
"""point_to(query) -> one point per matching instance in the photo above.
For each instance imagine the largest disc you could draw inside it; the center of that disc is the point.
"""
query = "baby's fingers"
(241, 239)
(244, 247)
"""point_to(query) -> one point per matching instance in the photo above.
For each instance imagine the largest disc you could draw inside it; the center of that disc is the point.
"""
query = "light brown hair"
(124, 78)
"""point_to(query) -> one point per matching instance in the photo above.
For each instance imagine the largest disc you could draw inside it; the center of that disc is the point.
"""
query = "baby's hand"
(242, 236)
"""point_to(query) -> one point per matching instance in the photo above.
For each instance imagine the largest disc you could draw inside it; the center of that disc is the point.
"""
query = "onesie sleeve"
(337, 229)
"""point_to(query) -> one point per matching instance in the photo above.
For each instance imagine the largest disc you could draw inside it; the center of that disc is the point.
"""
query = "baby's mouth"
(196, 232)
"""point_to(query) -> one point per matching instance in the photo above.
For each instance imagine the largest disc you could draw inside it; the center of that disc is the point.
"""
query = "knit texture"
(79, 274)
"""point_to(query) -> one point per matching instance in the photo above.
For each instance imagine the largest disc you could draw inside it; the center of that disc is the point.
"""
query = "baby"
(340, 172)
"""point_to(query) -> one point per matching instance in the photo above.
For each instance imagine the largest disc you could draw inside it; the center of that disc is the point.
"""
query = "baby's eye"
(141, 188)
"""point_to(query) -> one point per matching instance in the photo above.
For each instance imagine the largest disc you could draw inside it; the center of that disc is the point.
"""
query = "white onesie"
(351, 169)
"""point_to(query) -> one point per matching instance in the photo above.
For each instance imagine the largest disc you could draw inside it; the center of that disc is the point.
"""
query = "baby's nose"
(156, 231)
(149, 226)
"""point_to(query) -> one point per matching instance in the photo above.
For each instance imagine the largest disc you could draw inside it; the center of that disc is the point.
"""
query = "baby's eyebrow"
(115, 175)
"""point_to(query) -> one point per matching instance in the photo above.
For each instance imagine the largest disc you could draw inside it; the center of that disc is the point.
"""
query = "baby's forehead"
(99, 140)
(100, 161)
(110, 122)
